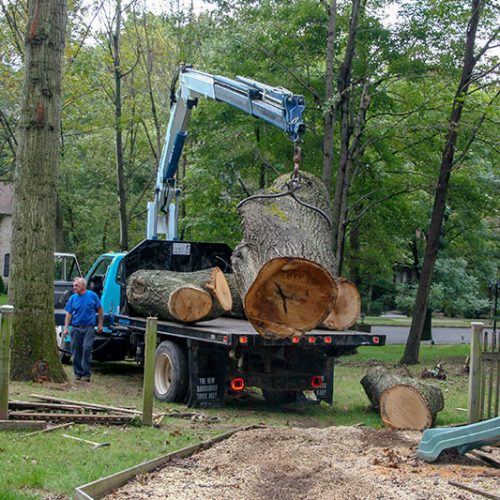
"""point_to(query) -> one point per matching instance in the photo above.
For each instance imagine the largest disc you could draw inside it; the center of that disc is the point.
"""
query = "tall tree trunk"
(329, 120)
(120, 163)
(411, 353)
(34, 352)
(348, 152)
(344, 84)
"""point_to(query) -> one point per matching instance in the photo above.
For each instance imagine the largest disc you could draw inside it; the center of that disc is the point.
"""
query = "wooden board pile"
(51, 409)
(282, 270)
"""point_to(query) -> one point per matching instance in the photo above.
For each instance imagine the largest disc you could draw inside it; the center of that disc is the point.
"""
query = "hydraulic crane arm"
(277, 106)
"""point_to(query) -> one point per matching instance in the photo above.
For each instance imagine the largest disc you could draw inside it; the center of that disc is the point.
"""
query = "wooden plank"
(101, 487)
(475, 490)
(486, 458)
(16, 425)
(20, 405)
(5, 338)
(93, 406)
(149, 371)
(48, 429)
(474, 403)
(73, 417)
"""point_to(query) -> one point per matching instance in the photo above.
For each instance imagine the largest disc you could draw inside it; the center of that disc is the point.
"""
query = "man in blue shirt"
(81, 311)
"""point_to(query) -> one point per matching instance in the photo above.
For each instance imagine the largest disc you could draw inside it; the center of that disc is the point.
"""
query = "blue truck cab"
(103, 279)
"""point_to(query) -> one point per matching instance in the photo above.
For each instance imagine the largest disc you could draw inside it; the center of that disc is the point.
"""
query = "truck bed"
(231, 331)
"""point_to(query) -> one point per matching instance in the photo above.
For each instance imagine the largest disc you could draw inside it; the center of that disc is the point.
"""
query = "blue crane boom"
(275, 105)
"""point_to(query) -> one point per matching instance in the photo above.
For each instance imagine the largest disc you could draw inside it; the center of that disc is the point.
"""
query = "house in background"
(6, 205)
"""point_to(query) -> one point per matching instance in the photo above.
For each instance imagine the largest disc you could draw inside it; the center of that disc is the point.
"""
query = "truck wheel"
(279, 397)
(171, 373)
(63, 346)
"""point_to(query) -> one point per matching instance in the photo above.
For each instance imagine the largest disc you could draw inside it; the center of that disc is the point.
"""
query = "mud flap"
(325, 392)
(207, 375)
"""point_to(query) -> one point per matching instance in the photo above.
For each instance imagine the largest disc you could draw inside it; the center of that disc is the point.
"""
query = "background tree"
(470, 60)
(34, 353)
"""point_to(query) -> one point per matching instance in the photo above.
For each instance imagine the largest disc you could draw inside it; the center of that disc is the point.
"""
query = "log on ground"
(347, 307)
(282, 267)
(184, 297)
(403, 402)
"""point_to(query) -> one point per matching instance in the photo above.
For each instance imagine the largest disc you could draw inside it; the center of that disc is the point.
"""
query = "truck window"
(59, 269)
(96, 280)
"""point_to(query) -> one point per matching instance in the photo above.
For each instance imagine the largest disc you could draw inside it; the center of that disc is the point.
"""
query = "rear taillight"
(376, 340)
(328, 340)
(316, 381)
(237, 384)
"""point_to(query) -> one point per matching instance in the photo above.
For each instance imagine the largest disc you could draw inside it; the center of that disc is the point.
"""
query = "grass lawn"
(49, 464)
(436, 322)
(3, 299)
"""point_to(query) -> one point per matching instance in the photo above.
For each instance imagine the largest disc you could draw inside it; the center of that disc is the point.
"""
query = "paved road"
(399, 334)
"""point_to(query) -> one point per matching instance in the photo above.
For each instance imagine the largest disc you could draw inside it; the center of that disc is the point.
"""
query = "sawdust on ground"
(331, 463)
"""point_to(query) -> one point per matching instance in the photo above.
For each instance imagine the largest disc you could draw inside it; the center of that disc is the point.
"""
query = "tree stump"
(282, 267)
(403, 402)
(347, 307)
(184, 297)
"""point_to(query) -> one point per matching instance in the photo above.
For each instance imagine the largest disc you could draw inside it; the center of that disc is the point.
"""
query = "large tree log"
(184, 297)
(403, 402)
(237, 311)
(282, 267)
(347, 307)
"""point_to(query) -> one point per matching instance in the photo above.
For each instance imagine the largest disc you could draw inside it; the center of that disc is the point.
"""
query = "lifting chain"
(292, 186)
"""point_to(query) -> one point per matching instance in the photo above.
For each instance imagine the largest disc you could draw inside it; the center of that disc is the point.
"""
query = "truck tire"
(171, 373)
(279, 397)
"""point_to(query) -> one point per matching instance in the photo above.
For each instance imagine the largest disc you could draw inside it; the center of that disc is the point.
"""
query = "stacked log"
(403, 402)
(282, 267)
(184, 297)
(346, 309)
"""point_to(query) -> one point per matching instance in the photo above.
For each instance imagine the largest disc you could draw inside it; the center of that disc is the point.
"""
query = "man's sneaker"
(77, 377)
(86, 379)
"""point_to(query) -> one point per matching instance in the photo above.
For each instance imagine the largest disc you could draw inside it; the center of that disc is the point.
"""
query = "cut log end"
(347, 307)
(403, 407)
(219, 287)
(190, 304)
(289, 296)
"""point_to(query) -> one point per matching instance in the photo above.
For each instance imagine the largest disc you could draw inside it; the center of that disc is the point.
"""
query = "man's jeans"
(82, 339)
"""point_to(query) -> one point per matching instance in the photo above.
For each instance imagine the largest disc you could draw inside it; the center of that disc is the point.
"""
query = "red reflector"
(328, 340)
(237, 384)
(243, 340)
(295, 340)
(376, 340)
(311, 340)
(225, 338)
(316, 381)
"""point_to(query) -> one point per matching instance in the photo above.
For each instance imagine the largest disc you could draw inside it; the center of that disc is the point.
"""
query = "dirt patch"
(331, 463)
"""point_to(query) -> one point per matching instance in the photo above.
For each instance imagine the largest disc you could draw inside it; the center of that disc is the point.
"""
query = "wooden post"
(149, 370)
(5, 339)
(474, 403)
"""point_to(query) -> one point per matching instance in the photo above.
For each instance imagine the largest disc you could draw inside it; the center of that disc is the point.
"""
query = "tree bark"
(237, 310)
(330, 114)
(347, 307)
(282, 267)
(344, 84)
(411, 353)
(32, 262)
(185, 297)
(403, 402)
(120, 162)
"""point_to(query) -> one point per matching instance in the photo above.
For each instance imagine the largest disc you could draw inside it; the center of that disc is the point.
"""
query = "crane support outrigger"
(275, 105)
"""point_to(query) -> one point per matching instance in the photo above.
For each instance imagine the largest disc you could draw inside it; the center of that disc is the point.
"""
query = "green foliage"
(411, 71)
(454, 291)
(3, 288)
